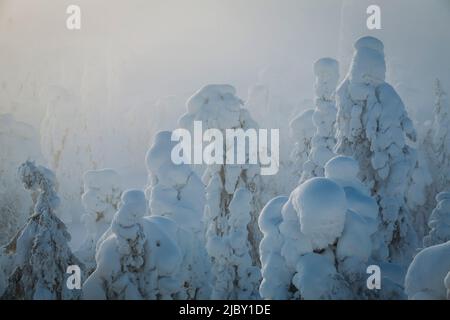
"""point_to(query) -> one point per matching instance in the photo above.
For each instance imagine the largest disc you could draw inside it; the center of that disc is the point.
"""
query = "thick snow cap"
(341, 167)
(321, 205)
(368, 65)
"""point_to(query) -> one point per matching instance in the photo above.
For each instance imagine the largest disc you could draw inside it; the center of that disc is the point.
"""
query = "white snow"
(425, 277)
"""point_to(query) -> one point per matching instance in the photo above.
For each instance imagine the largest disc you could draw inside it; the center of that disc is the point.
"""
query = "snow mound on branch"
(426, 274)
(321, 205)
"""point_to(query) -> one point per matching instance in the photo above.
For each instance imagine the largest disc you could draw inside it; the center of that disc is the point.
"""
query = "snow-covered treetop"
(368, 64)
(218, 107)
(302, 127)
(326, 71)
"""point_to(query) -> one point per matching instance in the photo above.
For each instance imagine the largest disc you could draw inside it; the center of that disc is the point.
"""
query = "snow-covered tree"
(19, 142)
(439, 222)
(101, 199)
(326, 71)
(35, 261)
(143, 257)
(373, 127)
(447, 285)
(302, 131)
(174, 190)
(426, 277)
(232, 190)
(318, 241)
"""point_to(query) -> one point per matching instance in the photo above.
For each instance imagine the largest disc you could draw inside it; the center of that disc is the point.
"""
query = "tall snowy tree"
(35, 261)
(326, 71)
(373, 127)
(235, 268)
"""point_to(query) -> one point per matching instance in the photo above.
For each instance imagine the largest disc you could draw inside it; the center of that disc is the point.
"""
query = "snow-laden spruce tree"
(19, 142)
(439, 222)
(101, 199)
(232, 189)
(144, 257)
(373, 127)
(440, 138)
(35, 261)
(326, 72)
(174, 190)
(318, 241)
(426, 276)
(302, 131)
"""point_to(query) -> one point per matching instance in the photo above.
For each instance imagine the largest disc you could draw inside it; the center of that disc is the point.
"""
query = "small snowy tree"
(326, 71)
(318, 242)
(144, 257)
(439, 222)
(373, 127)
(218, 107)
(101, 199)
(302, 131)
(35, 261)
(19, 142)
(426, 276)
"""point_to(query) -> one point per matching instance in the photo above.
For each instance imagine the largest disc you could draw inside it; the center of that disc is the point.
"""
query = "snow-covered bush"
(426, 276)
(302, 131)
(373, 127)
(326, 71)
(144, 257)
(35, 261)
(318, 242)
(233, 198)
(19, 142)
(439, 222)
(174, 191)
(101, 198)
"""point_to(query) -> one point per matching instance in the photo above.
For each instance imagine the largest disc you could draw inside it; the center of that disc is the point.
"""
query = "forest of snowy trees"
(360, 188)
